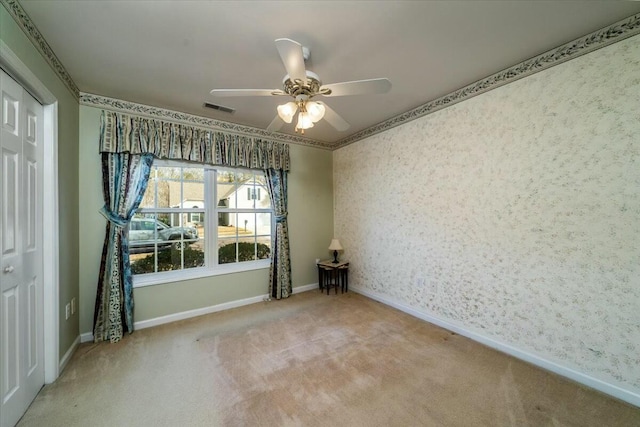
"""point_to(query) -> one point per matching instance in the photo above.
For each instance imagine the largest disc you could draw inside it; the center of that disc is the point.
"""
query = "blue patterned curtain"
(280, 271)
(124, 179)
(128, 145)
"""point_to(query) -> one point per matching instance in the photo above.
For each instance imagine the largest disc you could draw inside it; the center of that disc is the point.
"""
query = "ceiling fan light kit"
(302, 85)
(310, 112)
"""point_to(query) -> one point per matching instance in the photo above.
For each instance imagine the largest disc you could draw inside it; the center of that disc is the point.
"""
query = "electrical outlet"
(73, 305)
(67, 311)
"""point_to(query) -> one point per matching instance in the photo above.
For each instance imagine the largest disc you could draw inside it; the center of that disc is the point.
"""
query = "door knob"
(9, 269)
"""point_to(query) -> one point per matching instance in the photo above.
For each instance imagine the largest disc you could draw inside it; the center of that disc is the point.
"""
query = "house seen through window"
(200, 217)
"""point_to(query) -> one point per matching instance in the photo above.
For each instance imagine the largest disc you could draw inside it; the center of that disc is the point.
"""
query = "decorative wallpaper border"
(619, 31)
(22, 19)
(176, 116)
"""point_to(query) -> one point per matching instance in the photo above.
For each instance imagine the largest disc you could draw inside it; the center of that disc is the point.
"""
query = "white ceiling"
(170, 54)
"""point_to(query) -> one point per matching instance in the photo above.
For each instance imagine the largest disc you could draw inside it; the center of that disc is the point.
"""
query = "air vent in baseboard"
(220, 108)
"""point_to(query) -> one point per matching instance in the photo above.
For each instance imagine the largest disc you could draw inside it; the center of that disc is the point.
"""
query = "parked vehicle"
(147, 233)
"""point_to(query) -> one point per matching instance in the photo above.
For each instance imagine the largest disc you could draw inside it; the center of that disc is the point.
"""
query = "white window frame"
(210, 210)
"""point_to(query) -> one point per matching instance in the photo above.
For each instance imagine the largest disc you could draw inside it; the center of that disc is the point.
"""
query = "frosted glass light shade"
(287, 111)
(304, 121)
(316, 111)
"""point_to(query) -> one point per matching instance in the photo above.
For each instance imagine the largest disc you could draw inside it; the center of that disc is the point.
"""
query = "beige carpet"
(312, 360)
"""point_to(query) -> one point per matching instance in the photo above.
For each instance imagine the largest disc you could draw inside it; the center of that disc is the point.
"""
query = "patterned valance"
(168, 140)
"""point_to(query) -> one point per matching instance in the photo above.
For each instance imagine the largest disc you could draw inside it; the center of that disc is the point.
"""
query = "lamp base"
(335, 257)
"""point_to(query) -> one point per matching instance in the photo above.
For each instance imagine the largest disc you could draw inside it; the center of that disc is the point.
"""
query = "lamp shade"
(287, 111)
(335, 245)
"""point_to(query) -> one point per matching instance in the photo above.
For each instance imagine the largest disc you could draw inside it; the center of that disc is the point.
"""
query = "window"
(196, 221)
(253, 193)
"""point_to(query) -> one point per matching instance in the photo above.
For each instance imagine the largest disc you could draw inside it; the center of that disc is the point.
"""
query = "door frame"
(13, 66)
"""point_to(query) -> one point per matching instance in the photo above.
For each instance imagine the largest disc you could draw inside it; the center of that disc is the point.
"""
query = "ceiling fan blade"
(293, 58)
(275, 124)
(359, 87)
(334, 118)
(245, 92)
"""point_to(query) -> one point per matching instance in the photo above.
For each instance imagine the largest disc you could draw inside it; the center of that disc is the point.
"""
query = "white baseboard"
(602, 386)
(174, 317)
(88, 336)
(305, 288)
(67, 356)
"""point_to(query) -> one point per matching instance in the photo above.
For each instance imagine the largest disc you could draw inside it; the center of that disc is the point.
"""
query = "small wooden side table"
(333, 275)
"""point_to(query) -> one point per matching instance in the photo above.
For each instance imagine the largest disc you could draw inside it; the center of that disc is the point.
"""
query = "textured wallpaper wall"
(515, 214)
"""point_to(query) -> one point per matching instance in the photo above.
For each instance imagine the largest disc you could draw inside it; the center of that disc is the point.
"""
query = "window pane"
(227, 251)
(264, 247)
(263, 223)
(192, 194)
(226, 225)
(170, 259)
(246, 224)
(236, 225)
(142, 263)
(263, 201)
(185, 255)
(252, 248)
(243, 176)
(143, 236)
(226, 188)
(190, 244)
(156, 246)
(149, 198)
(193, 174)
(223, 219)
(198, 243)
(168, 186)
(246, 249)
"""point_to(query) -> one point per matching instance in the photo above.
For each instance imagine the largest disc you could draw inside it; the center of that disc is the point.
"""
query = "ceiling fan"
(303, 85)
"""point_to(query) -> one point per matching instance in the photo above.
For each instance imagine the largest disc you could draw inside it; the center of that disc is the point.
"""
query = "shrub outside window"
(196, 221)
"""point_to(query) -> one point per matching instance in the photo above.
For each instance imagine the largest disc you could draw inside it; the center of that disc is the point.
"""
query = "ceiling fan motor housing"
(309, 88)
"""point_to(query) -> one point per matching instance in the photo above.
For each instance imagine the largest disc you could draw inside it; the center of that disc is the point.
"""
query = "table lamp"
(335, 246)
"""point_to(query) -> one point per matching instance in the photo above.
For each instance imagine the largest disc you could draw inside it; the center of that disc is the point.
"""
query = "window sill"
(151, 279)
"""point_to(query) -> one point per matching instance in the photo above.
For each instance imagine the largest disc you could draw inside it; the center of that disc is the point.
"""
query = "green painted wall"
(310, 228)
(82, 227)
(68, 108)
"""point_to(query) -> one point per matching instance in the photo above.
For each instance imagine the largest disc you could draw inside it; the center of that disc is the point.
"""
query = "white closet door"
(21, 285)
